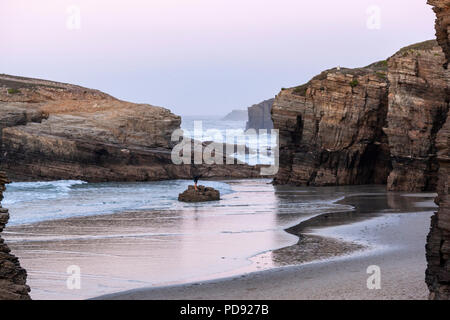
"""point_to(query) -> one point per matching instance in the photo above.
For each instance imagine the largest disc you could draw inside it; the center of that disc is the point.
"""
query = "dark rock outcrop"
(202, 194)
(438, 241)
(52, 130)
(12, 276)
(236, 115)
(259, 115)
(376, 124)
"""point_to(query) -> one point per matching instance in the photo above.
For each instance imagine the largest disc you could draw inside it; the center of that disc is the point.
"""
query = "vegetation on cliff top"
(425, 45)
(379, 68)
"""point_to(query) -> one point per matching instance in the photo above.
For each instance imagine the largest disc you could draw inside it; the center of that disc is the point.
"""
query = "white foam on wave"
(41, 190)
(58, 184)
(30, 202)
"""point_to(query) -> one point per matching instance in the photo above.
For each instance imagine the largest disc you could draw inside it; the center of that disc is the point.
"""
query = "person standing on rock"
(195, 181)
(195, 173)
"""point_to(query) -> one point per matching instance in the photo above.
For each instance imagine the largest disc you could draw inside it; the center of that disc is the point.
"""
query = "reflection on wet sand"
(311, 247)
(152, 248)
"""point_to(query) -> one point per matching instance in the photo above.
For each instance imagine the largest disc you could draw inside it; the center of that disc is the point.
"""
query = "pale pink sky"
(201, 56)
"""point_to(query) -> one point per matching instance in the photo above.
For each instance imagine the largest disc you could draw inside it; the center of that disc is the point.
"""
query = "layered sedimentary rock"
(438, 241)
(376, 124)
(259, 115)
(12, 276)
(51, 130)
(331, 128)
(417, 110)
(441, 9)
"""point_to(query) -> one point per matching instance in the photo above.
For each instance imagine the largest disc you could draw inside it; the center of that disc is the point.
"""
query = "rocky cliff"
(438, 242)
(236, 115)
(375, 124)
(331, 128)
(259, 115)
(52, 130)
(12, 276)
(417, 110)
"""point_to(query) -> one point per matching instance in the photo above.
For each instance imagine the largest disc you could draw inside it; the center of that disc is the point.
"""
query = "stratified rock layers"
(438, 241)
(12, 276)
(417, 110)
(376, 124)
(331, 129)
(51, 131)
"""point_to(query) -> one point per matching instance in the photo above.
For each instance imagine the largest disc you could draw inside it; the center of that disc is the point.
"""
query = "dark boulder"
(202, 194)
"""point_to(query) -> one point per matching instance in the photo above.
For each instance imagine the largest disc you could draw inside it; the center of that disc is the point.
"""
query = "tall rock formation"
(331, 128)
(12, 276)
(417, 110)
(438, 242)
(376, 124)
(51, 130)
(236, 115)
(260, 115)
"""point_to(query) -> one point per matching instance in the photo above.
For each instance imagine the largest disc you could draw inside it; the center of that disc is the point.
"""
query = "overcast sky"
(201, 56)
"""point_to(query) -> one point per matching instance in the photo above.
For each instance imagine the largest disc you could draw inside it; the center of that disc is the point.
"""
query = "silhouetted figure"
(196, 174)
(196, 180)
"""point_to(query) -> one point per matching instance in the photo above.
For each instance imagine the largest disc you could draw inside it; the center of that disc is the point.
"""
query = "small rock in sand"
(201, 194)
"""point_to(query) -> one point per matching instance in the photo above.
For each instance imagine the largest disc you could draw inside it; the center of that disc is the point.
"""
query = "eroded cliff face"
(438, 241)
(417, 110)
(259, 115)
(441, 9)
(12, 275)
(376, 124)
(331, 128)
(52, 130)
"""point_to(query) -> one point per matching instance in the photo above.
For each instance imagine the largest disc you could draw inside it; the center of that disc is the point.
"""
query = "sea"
(127, 235)
(31, 202)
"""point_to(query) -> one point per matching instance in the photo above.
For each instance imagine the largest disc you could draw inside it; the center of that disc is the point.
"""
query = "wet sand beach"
(399, 252)
(238, 247)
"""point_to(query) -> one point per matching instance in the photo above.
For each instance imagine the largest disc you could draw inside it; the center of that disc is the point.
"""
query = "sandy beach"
(259, 242)
(397, 248)
(166, 150)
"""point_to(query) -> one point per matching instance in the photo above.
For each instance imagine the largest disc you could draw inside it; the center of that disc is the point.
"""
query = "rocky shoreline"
(57, 131)
(386, 123)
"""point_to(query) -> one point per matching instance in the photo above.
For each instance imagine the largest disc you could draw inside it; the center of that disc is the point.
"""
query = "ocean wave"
(64, 185)
(42, 190)
(31, 202)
